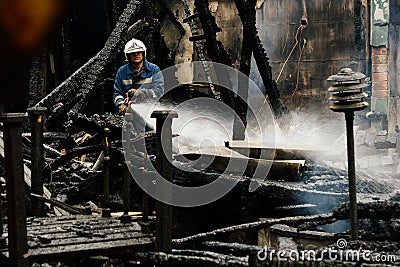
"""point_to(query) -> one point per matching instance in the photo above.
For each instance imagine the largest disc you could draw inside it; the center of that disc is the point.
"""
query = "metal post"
(37, 122)
(15, 187)
(347, 96)
(163, 165)
(349, 115)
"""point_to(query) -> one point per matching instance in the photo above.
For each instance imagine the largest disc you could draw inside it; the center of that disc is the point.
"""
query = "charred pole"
(36, 116)
(164, 167)
(262, 61)
(249, 33)
(215, 49)
(149, 8)
(15, 187)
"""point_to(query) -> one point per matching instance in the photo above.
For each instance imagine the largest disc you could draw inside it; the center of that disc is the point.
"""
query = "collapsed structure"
(84, 164)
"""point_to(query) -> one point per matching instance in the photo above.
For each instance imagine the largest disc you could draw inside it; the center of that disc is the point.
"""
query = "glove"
(136, 94)
(122, 109)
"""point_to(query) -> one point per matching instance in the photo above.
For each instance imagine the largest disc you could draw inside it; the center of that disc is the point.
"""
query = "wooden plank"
(102, 248)
(84, 235)
(65, 228)
(89, 241)
(257, 150)
(225, 160)
(77, 222)
(214, 150)
(70, 233)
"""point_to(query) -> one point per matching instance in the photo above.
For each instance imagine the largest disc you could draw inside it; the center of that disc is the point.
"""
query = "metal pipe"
(36, 116)
(15, 187)
(164, 167)
(349, 115)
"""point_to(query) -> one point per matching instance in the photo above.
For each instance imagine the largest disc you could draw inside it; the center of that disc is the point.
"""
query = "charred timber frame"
(261, 224)
(149, 7)
(15, 187)
(249, 33)
(215, 49)
(261, 57)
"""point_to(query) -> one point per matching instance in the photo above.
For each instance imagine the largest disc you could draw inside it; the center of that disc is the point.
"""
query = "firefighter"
(137, 80)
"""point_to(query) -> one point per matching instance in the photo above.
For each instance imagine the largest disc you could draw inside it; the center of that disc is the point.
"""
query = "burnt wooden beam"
(383, 210)
(190, 258)
(236, 249)
(261, 224)
(149, 8)
(215, 49)
(262, 61)
(98, 123)
(78, 151)
(36, 116)
(58, 204)
(249, 33)
(15, 188)
(37, 78)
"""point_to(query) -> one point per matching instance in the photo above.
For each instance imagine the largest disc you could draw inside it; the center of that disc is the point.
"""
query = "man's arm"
(118, 94)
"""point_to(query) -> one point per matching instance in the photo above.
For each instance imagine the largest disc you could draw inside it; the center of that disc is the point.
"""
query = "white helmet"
(134, 45)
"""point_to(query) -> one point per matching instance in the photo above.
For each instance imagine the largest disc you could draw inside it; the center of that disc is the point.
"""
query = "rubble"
(85, 170)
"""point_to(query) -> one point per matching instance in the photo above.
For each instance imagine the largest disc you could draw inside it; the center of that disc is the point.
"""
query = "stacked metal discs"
(347, 93)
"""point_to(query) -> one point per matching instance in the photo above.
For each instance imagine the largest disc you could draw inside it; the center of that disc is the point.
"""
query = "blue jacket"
(149, 79)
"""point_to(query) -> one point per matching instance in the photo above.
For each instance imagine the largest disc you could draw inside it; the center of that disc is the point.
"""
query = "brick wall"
(380, 86)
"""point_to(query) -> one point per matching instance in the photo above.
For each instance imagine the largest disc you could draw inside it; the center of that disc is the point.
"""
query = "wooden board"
(280, 152)
(222, 159)
(69, 237)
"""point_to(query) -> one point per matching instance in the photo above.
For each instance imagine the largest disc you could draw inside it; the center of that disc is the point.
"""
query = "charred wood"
(97, 123)
(192, 258)
(81, 85)
(249, 33)
(51, 136)
(37, 79)
(262, 61)
(236, 249)
(59, 204)
(66, 48)
(215, 49)
(261, 224)
(78, 151)
(383, 210)
(51, 152)
(149, 11)
(97, 165)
